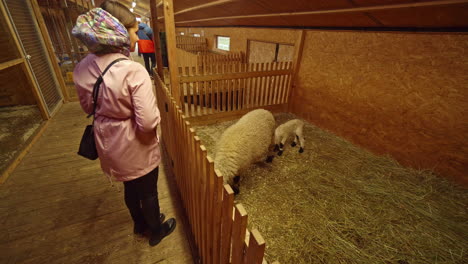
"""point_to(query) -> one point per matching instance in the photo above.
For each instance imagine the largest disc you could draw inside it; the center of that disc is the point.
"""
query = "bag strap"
(97, 84)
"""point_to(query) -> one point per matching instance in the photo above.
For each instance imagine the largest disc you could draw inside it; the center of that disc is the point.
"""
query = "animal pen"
(215, 86)
(208, 86)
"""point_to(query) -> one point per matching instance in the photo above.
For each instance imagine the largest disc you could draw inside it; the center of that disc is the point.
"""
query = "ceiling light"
(133, 4)
(131, 9)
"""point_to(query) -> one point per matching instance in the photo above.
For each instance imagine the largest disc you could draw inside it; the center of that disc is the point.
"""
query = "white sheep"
(283, 132)
(244, 143)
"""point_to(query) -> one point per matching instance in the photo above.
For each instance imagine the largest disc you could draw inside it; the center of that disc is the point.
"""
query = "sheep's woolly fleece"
(244, 143)
(290, 128)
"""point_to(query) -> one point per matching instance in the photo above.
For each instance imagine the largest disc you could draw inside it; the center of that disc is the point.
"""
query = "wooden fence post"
(238, 234)
(299, 46)
(156, 38)
(256, 248)
(226, 225)
(171, 48)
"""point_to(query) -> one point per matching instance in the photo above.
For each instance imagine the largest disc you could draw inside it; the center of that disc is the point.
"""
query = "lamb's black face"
(276, 148)
(235, 189)
(236, 179)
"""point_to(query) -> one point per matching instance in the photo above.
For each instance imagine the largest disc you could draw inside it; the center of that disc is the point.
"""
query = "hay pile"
(17, 124)
(338, 203)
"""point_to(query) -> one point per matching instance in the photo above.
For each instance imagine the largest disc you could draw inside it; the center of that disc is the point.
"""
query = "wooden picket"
(214, 88)
(217, 234)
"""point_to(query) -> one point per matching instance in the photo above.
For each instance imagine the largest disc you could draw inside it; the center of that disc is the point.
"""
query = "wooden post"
(296, 64)
(256, 248)
(226, 224)
(238, 233)
(156, 38)
(70, 24)
(171, 48)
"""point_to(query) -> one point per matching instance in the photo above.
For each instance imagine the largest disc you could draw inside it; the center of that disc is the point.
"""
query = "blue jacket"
(144, 32)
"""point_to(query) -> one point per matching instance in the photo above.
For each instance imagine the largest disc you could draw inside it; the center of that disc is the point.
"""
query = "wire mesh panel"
(29, 35)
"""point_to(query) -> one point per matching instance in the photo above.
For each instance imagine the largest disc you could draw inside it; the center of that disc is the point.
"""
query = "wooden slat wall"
(56, 15)
(219, 236)
(214, 88)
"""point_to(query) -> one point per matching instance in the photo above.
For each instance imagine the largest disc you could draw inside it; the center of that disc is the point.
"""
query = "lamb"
(282, 132)
(244, 143)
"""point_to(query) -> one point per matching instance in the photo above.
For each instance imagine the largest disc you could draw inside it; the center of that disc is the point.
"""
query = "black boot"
(166, 229)
(140, 228)
(150, 208)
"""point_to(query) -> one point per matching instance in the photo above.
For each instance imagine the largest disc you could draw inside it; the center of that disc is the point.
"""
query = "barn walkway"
(57, 207)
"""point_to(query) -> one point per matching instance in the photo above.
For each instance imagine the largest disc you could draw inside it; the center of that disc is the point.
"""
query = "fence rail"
(218, 227)
(213, 88)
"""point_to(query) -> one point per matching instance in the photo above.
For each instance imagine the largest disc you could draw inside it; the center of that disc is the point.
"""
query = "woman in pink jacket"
(126, 115)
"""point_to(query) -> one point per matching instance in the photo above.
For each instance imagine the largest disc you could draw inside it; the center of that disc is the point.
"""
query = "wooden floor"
(57, 207)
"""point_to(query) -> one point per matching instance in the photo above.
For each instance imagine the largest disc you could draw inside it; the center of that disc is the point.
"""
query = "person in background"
(126, 116)
(146, 46)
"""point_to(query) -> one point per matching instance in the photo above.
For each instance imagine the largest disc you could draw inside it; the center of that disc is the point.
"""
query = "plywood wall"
(403, 94)
(239, 36)
(260, 51)
(14, 87)
(285, 53)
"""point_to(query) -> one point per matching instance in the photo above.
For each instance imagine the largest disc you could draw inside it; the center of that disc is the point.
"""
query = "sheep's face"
(277, 148)
(235, 184)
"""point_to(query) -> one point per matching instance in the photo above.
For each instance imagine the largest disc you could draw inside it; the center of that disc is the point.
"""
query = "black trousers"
(147, 57)
(141, 198)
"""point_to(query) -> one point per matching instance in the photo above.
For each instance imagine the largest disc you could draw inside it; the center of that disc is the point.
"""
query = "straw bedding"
(338, 203)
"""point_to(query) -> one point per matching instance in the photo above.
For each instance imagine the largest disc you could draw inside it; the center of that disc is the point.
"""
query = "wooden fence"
(218, 228)
(213, 88)
(186, 58)
(208, 58)
(191, 59)
(193, 44)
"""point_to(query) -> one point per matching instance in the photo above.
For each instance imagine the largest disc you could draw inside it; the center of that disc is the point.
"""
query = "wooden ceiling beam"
(207, 5)
(333, 11)
(198, 7)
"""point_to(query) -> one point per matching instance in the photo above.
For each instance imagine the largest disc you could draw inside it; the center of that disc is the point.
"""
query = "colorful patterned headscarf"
(102, 33)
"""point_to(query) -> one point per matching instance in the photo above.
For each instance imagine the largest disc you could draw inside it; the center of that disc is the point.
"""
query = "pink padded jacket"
(126, 115)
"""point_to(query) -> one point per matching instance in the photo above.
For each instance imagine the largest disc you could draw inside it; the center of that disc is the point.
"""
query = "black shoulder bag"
(88, 144)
